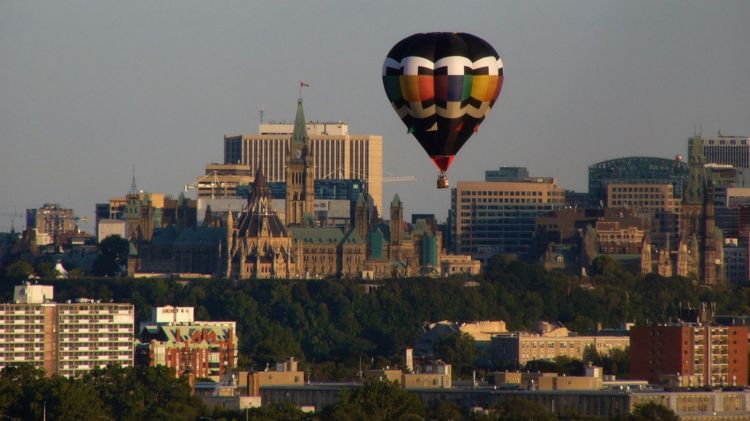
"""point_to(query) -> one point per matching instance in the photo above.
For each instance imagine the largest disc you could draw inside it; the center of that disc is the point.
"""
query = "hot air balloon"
(442, 86)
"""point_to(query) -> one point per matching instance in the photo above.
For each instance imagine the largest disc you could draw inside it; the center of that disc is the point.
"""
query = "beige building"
(67, 339)
(643, 197)
(452, 264)
(285, 374)
(222, 180)
(522, 347)
(436, 376)
(335, 152)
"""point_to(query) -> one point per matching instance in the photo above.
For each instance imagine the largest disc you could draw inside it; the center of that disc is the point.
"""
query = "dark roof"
(201, 235)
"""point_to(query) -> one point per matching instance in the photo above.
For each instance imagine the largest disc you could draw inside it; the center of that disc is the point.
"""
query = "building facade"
(702, 354)
(67, 339)
(721, 149)
(194, 348)
(335, 153)
(635, 170)
(522, 347)
(492, 217)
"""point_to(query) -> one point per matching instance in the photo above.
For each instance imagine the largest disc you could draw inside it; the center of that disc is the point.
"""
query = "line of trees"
(153, 393)
(333, 325)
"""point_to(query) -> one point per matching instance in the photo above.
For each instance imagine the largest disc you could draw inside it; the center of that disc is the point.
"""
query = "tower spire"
(133, 188)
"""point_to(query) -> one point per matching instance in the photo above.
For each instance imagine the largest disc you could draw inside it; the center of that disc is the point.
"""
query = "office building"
(335, 153)
(722, 149)
(736, 261)
(493, 217)
(196, 348)
(636, 170)
(67, 339)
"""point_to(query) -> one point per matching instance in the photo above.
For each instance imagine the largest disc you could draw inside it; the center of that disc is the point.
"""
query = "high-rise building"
(702, 354)
(729, 150)
(68, 339)
(491, 217)
(335, 153)
(49, 222)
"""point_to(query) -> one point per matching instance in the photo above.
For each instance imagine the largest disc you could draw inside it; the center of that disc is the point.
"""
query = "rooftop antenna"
(133, 188)
(261, 113)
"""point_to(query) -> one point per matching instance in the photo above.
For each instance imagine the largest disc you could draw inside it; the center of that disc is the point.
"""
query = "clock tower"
(300, 196)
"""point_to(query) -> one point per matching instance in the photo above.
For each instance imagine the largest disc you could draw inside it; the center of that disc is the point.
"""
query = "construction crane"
(208, 181)
(363, 177)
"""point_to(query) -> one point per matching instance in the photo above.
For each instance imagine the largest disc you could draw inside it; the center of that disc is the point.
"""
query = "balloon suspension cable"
(442, 181)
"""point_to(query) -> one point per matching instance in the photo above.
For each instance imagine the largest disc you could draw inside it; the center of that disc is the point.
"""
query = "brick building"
(697, 354)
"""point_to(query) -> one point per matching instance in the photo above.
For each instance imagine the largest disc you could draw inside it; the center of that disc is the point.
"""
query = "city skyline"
(91, 89)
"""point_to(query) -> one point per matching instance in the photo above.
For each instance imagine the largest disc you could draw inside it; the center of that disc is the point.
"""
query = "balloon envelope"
(442, 86)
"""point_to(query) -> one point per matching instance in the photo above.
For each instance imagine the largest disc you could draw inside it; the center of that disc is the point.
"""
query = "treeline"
(153, 393)
(337, 325)
(140, 393)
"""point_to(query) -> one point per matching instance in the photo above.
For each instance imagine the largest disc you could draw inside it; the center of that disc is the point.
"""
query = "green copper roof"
(300, 130)
(396, 200)
(352, 237)
(318, 235)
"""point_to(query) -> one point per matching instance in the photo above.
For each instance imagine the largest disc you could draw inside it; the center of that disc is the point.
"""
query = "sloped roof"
(318, 235)
(164, 236)
(201, 235)
(352, 237)
(259, 214)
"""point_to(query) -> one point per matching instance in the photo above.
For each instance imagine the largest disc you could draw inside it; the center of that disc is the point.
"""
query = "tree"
(458, 350)
(113, 254)
(376, 400)
(18, 271)
(46, 270)
(652, 411)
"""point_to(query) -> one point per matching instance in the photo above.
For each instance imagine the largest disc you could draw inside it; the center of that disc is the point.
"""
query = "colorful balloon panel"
(442, 86)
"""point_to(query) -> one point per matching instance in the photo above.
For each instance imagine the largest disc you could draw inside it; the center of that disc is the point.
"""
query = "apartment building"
(68, 339)
(699, 354)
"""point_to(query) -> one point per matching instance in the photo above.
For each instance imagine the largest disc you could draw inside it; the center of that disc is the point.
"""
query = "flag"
(303, 84)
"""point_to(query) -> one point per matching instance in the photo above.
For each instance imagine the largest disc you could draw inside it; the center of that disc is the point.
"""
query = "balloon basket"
(442, 181)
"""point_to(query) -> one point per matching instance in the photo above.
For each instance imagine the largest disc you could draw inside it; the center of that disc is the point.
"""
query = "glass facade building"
(636, 170)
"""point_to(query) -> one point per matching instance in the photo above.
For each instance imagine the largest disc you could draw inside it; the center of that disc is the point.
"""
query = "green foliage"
(376, 400)
(457, 350)
(561, 365)
(141, 393)
(113, 254)
(17, 271)
(46, 270)
(652, 411)
(617, 362)
(332, 325)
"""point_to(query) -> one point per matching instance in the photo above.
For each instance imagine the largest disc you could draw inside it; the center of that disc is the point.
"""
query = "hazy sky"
(89, 88)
